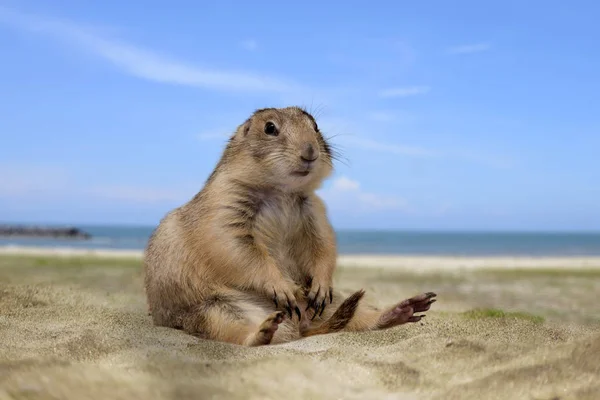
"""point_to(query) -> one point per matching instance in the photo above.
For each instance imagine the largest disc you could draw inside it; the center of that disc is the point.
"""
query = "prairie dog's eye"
(271, 129)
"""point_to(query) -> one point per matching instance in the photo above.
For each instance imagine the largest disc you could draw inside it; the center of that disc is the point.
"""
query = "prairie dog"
(250, 258)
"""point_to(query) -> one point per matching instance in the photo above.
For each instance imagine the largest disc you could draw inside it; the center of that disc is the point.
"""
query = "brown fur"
(338, 320)
(254, 241)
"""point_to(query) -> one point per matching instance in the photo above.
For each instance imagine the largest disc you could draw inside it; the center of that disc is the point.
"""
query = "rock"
(35, 231)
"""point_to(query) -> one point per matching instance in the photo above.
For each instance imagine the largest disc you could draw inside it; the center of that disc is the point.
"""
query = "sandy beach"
(414, 263)
(73, 325)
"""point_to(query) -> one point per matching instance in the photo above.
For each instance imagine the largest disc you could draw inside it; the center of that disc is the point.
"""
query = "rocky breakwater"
(43, 232)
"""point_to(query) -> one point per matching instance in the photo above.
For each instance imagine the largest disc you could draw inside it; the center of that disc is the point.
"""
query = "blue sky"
(451, 115)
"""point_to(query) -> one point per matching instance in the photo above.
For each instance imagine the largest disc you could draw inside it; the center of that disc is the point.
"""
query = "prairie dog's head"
(286, 146)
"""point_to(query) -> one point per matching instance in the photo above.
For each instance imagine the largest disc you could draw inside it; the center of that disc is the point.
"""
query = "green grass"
(482, 313)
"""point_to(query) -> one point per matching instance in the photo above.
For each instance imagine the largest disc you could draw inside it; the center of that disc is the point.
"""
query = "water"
(373, 242)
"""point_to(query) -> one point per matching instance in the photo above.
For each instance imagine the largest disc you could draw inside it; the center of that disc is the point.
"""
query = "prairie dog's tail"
(339, 319)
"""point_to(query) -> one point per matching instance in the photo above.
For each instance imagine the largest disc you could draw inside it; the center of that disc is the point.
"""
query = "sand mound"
(80, 331)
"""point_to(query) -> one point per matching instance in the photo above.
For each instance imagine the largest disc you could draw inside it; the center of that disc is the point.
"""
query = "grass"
(518, 273)
(77, 270)
(482, 313)
(23, 261)
(391, 276)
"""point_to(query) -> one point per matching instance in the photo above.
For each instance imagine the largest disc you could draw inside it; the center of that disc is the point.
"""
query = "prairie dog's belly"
(278, 226)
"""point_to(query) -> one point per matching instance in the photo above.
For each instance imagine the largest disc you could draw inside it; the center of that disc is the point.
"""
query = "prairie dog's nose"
(309, 153)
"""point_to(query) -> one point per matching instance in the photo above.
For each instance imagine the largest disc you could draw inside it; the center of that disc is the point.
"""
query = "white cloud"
(404, 91)
(250, 44)
(345, 184)
(346, 193)
(144, 63)
(469, 48)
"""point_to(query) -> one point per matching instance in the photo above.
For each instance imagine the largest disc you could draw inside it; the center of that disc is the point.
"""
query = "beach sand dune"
(77, 328)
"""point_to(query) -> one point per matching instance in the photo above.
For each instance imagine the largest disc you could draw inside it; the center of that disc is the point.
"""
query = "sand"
(73, 325)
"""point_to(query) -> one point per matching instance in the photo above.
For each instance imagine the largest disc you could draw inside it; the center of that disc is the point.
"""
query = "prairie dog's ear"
(242, 130)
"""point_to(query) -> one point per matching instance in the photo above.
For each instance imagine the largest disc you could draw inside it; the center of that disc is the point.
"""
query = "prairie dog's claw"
(286, 299)
(317, 298)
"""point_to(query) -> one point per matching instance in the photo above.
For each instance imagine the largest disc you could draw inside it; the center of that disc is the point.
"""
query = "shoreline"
(415, 263)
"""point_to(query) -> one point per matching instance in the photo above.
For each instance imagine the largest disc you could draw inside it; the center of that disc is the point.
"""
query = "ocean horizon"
(371, 242)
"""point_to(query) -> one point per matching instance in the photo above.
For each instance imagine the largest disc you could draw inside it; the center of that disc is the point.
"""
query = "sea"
(352, 242)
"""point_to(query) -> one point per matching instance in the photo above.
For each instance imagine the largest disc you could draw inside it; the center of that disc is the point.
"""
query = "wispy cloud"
(344, 184)
(469, 48)
(404, 91)
(347, 193)
(345, 135)
(250, 44)
(143, 63)
(387, 147)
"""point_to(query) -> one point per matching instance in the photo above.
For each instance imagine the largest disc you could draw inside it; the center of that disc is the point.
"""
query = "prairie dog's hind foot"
(404, 311)
(266, 330)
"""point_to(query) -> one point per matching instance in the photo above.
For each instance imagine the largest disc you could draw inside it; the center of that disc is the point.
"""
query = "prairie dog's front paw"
(320, 293)
(284, 298)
